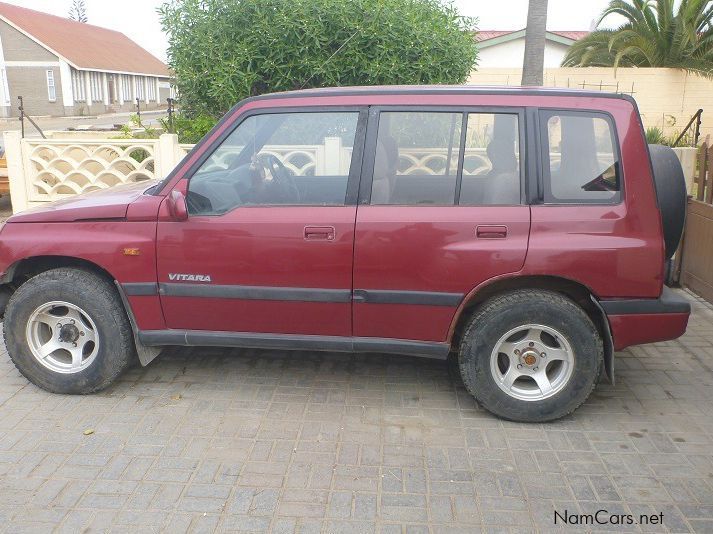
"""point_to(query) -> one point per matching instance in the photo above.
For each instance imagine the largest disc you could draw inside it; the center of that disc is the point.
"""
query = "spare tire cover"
(672, 195)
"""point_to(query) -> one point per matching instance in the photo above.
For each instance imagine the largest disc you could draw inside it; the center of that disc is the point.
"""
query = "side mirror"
(177, 206)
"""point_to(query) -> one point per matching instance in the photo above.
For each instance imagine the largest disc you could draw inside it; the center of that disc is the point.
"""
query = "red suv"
(518, 229)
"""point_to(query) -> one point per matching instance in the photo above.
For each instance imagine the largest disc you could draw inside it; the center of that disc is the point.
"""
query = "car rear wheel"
(67, 332)
(530, 356)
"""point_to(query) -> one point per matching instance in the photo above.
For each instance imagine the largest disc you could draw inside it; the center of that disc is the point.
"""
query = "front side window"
(581, 162)
(299, 159)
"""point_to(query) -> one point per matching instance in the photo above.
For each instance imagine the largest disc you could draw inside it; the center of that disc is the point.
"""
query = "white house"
(62, 67)
(506, 49)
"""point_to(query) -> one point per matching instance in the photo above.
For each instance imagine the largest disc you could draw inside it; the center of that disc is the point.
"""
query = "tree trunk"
(534, 62)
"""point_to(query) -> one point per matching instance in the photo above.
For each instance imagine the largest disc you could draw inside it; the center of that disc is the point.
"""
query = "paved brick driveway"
(303, 442)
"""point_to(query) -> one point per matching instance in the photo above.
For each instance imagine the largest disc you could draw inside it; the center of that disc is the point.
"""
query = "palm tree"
(534, 61)
(655, 34)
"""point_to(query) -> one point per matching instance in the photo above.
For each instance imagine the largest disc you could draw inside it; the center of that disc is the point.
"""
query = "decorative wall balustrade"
(302, 160)
(44, 170)
(58, 169)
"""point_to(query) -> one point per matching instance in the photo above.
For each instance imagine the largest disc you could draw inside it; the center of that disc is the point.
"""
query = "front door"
(268, 244)
(441, 212)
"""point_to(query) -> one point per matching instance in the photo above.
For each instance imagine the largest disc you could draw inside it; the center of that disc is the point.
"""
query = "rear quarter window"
(581, 162)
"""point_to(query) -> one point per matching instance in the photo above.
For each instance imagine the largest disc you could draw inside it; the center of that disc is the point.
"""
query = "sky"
(138, 18)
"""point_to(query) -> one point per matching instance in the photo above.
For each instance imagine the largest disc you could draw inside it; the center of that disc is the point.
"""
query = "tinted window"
(581, 160)
(491, 165)
(416, 160)
(278, 159)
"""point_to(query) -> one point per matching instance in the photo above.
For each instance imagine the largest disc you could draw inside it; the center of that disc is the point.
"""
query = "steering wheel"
(283, 187)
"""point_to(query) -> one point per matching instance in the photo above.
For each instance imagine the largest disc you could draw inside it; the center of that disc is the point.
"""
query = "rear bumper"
(638, 321)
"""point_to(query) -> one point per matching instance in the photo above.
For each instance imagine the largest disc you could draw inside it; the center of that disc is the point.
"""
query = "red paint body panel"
(615, 251)
(263, 316)
(98, 242)
(635, 329)
(424, 248)
(147, 312)
(422, 323)
(107, 204)
(260, 246)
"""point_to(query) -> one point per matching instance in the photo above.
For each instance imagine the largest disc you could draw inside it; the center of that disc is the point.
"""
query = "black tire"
(671, 194)
(101, 302)
(508, 311)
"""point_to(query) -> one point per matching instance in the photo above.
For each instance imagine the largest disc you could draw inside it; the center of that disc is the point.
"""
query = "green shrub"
(225, 50)
(190, 129)
(686, 140)
(655, 136)
(136, 129)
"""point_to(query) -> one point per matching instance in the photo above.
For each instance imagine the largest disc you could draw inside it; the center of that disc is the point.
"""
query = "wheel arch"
(28, 267)
(24, 269)
(572, 289)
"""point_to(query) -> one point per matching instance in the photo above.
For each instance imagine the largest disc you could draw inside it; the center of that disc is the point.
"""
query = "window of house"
(152, 89)
(96, 84)
(581, 161)
(51, 89)
(139, 87)
(126, 89)
(278, 159)
(491, 164)
(78, 86)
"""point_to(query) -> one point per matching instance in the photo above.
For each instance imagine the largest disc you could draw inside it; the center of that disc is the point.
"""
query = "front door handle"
(491, 232)
(319, 233)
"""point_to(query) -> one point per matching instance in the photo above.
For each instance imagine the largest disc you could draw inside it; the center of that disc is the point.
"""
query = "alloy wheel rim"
(532, 362)
(62, 337)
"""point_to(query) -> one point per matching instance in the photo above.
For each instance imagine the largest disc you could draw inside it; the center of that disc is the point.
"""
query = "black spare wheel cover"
(671, 192)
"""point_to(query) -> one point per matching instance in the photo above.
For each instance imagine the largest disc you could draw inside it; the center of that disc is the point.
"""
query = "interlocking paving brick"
(207, 440)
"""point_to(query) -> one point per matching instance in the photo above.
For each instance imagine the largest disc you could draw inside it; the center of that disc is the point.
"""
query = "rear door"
(442, 210)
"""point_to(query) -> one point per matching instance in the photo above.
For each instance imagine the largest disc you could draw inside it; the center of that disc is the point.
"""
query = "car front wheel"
(67, 332)
(530, 356)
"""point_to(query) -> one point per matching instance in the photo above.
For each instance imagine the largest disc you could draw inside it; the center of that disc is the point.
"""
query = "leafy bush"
(190, 129)
(655, 136)
(225, 50)
(136, 129)
(686, 140)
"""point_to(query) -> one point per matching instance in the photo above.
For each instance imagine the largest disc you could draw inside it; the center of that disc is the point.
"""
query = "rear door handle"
(491, 232)
(319, 233)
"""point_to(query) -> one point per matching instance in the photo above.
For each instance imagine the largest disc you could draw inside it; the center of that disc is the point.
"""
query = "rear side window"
(416, 160)
(491, 166)
(444, 158)
(581, 160)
